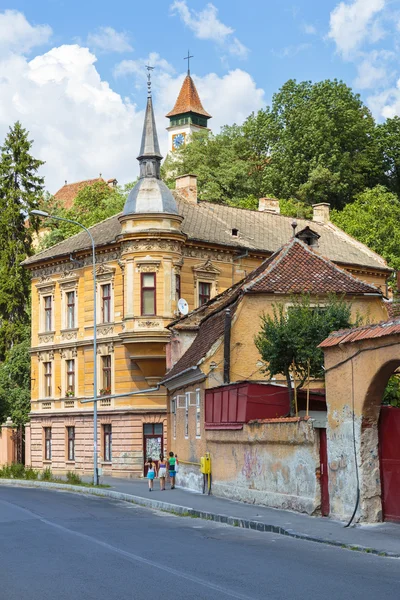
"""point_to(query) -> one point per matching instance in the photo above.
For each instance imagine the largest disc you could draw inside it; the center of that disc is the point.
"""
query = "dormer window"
(235, 232)
(309, 237)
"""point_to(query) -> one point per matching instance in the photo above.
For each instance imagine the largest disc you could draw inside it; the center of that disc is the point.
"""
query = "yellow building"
(165, 245)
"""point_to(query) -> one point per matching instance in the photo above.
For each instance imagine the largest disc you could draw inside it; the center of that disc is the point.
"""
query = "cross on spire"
(188, 57)
(149, 70)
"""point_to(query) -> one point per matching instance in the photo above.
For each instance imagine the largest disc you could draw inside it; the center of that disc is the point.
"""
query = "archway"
(358, 365)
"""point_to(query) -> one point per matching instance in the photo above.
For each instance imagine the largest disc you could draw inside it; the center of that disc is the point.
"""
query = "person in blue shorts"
(172, 469)
(151, 472)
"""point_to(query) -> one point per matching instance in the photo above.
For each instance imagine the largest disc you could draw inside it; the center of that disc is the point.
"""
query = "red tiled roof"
(297, 269)
(293, 269)
(366, 332)
(188, 100)
(67, 194)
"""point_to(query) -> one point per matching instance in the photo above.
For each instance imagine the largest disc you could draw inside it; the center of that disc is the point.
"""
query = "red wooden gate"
(323, 454)
(389, 449)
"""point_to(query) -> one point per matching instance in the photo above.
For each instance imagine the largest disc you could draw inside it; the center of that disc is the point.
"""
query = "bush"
(46, 474)
(73, 478)
(31, 474)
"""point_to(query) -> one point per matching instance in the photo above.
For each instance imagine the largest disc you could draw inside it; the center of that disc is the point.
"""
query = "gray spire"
(149, 147)
(150, 194)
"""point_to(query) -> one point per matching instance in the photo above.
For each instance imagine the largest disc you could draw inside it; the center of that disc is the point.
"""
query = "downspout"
(227, 346)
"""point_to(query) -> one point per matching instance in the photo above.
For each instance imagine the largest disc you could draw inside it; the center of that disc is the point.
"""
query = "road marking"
(131, 556)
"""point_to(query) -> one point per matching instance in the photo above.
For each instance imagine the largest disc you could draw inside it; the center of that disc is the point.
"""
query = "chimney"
(269, 205)
(186, 185)
(321, 212)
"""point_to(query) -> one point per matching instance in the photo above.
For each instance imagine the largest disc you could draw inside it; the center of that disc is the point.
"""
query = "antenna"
(149, 70)
(188, 57)
(183, 306)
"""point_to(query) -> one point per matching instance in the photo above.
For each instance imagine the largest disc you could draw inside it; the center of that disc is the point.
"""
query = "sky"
(73, 72)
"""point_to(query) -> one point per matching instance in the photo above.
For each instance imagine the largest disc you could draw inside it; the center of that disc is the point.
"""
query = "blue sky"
(73, 72)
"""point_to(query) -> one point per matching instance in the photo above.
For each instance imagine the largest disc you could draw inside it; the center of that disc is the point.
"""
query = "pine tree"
(20, 191)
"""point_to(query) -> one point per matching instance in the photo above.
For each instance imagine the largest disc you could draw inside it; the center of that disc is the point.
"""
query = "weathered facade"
(277, 461)
(164, 245)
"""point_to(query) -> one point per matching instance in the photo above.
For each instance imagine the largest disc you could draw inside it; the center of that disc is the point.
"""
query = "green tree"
(321, 142)
(373, 219)
(391, 395)
(228, 165)
(289, 338)
(15, 380)
(92, 204)
(20, 191)
(388, 139)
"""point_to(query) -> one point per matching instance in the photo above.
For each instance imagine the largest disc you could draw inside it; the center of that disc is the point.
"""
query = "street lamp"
(42, 213)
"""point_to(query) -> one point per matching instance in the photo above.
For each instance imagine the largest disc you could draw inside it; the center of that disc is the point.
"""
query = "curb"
(186, 511)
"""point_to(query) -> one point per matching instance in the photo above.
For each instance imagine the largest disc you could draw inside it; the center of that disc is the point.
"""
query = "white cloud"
(107, 39)
(18, 35)
(206, 26)
(138, 67)
(352, 24)
(309, 29)
(290, 51)
(81, 127)
(373, 70)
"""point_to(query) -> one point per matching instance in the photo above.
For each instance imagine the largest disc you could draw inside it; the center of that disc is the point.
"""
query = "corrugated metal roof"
(366, 332)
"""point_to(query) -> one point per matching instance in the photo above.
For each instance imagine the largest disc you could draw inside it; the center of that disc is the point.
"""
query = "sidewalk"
(382, 538)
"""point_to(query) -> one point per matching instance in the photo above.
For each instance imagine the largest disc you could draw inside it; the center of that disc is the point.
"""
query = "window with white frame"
(48, 313)
(47, 379)
(198, 413)
(70, 309)
(71, 443)
(187, 400)
(173, 413)
(70, 377)
(47, 443)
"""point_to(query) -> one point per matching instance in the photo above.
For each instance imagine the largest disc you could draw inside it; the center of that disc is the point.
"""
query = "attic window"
(235, 232)
(309, 237)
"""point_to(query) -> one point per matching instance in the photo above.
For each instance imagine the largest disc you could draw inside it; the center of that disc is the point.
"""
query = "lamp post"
(42, 213)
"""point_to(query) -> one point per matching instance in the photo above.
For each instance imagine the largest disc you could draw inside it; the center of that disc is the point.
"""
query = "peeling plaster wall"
(268, 463)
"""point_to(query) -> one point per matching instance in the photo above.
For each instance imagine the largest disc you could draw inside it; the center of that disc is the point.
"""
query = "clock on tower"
(178, 140)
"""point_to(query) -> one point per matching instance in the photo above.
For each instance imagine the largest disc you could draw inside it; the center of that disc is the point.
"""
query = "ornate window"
(106, 303)
(70, 373)
(47, 383)
(204, 292)
(106, 375)
(47, 443)
(71, 443)
(70, 320)
(205, 278)
(107, 435)
(48, 313)
(148, 294)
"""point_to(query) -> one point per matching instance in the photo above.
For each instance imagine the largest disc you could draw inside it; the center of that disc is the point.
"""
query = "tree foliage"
(20, 191)
(373, 219)
(289, 338)
(15, 380)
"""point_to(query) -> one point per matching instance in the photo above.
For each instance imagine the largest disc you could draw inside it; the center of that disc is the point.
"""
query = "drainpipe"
(227, 346)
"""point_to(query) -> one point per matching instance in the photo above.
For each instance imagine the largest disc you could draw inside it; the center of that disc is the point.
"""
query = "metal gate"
(389, 449)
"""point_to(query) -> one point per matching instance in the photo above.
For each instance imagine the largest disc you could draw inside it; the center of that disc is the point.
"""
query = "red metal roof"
(366, 332)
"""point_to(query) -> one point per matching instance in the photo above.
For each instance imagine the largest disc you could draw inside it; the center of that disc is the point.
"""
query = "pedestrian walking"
(151, 473)
(162, 472)
(171, 468)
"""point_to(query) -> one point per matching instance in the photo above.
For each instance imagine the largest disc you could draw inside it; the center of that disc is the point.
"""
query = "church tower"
(187, 116)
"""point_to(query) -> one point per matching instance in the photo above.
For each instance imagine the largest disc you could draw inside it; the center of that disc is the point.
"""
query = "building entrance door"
(153, 443)
(324, 481)
(389, 450)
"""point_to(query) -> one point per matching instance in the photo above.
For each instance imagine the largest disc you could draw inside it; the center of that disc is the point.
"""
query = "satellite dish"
(183, 306)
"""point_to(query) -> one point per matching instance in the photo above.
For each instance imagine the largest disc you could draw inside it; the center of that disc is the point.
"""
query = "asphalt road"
(60, 545)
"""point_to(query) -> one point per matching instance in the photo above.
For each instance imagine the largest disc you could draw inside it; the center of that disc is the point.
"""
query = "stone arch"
(358, 365)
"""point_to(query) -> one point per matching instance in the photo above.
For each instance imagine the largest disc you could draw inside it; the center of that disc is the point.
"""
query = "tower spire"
(149, 155)
(149, 70)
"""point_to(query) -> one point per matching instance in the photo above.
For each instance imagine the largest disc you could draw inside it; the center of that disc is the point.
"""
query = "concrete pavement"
(60, 545)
